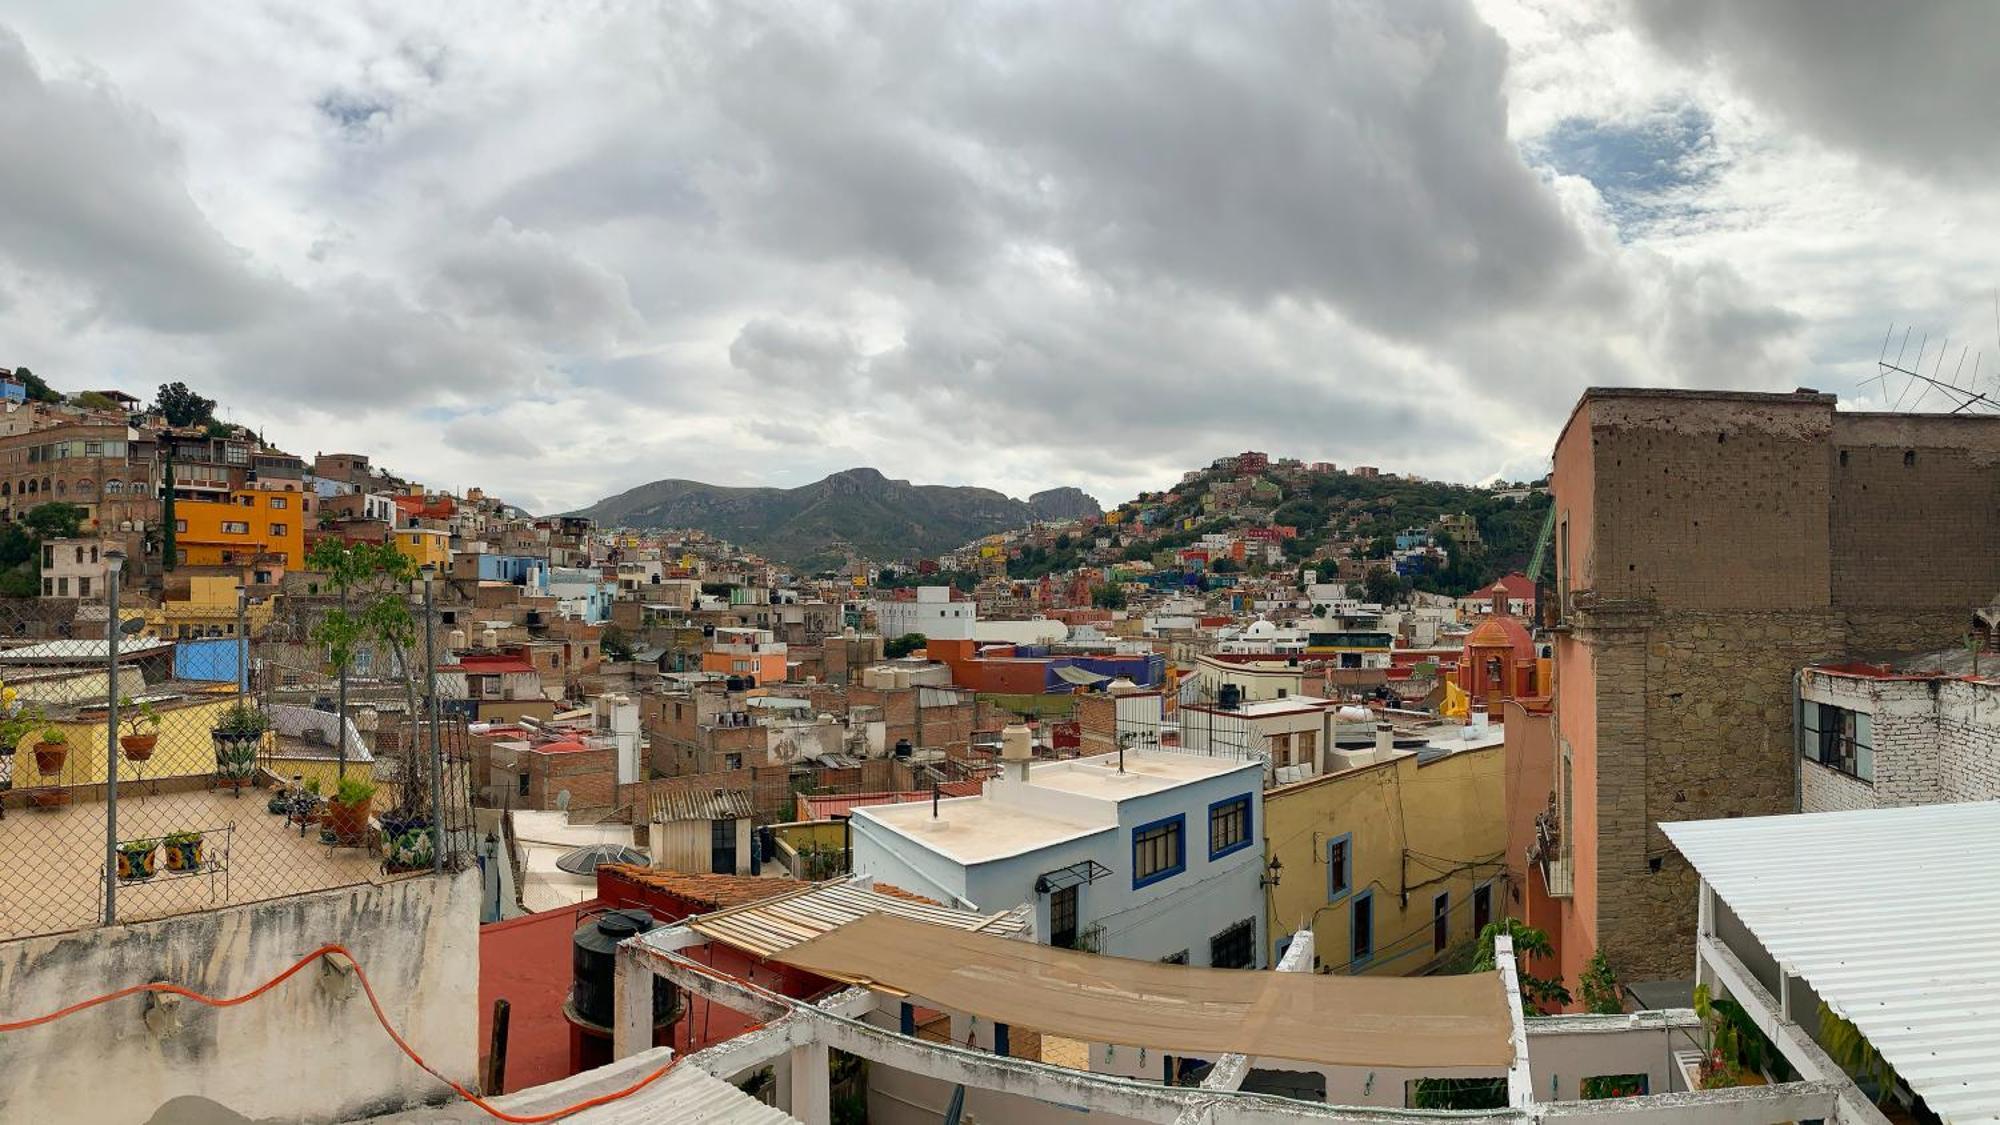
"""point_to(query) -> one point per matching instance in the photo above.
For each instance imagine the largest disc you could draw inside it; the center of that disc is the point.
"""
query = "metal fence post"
(242, 643)
(113, 629)
(340, 771)
(431, 706)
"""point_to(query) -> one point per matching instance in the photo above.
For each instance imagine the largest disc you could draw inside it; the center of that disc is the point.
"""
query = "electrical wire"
(381, 1017)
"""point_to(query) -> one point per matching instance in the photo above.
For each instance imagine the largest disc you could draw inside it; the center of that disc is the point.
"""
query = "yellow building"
(1391, 864)
(184, 749)
(250, 526)
(425, 546)
(208, 611)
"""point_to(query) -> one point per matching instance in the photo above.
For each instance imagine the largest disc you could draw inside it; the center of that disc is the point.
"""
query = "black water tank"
(903, 748)
(1230, 697)
(594, 957)
(734, 683)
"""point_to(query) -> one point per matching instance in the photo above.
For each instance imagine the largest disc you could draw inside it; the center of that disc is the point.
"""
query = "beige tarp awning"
(1418, 1022)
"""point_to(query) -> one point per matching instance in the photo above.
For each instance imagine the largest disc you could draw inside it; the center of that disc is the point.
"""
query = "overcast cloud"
(559, 253)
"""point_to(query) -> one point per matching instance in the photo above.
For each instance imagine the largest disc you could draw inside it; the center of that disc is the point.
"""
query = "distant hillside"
(857, 512)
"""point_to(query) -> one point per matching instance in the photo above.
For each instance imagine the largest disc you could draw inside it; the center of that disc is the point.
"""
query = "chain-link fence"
(182, 762)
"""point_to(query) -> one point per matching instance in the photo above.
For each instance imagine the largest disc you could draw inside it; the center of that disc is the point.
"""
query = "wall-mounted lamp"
(1272, 871)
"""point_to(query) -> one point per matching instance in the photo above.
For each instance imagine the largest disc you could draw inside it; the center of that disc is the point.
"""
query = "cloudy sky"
(562, 249)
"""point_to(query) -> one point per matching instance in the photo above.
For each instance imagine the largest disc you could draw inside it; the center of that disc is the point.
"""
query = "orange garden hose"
(380, 1017)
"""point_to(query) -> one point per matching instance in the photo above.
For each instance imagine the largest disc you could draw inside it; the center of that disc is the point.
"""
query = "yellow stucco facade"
(184, 749)
(1400, 835)
(424, 546)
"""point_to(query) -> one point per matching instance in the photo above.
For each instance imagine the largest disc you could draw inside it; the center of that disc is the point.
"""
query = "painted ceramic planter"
(184, 854)
(139, 861)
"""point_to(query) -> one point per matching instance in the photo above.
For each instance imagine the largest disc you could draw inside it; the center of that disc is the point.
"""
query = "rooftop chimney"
(1385, 742)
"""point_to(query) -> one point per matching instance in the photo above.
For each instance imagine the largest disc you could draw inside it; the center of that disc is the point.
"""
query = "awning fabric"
(1082, 677)
(1413, 1022)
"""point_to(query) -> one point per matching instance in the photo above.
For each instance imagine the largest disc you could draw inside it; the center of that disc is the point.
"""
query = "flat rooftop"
(57, 877)
(1145, 772)
(975, 829)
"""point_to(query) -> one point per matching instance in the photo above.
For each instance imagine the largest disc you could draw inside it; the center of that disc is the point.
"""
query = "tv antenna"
(1960, 389)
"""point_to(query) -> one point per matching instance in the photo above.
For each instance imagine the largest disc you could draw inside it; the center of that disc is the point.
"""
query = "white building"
(933, 613)
(1872, 736)
(1160, 860)
(74, 568)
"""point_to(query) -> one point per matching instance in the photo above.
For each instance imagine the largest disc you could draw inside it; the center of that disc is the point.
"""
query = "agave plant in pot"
(347, 812)
(407, 841)
(237, 734)
(142, 733)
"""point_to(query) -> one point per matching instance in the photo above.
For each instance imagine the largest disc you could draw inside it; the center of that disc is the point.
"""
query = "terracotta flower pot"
(50, 756)
(348, 823)
(138, 747)
(49, 798)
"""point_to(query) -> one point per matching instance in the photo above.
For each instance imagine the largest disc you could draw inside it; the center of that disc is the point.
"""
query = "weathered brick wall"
(1828, 790)
(1707, 505)
(589, 776)
(1097, 723)
(1913, 508)
(1934, 740)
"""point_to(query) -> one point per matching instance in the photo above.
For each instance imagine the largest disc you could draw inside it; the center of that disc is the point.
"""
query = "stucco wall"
(295, 1053)
(1451, 810)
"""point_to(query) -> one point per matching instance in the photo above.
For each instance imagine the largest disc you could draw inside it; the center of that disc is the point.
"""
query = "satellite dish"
(562, 801)
(132, 625)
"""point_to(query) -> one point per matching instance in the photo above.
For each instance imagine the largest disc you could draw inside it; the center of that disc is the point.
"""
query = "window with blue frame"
(1339, 867)
(1228, 826)
(1159, 850)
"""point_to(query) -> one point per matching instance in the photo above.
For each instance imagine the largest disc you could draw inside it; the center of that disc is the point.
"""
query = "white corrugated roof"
(1893, 917)
(779, 923)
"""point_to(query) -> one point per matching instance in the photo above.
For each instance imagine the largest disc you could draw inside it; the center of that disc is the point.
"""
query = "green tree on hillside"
(38, 389)
(182, 407)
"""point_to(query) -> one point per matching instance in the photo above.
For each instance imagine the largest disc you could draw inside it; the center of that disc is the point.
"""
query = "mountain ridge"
(858, 511)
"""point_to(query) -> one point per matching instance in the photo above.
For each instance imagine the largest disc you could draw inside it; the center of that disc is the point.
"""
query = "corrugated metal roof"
(777, 924)
(1891, 916)
(701, 804)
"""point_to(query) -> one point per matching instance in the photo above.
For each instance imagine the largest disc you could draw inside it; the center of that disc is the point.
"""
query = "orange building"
(1498, 663)
(251, 526)
(747, 652)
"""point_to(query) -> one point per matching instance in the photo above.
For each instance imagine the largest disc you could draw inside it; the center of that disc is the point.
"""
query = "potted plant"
(137, 859)
(142, 733)
(407, 841)
(237, 734)
(1736, 1048)
(347, 812)
(183, 851)
(51, 750)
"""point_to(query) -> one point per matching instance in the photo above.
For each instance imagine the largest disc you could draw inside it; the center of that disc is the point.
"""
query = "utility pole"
(431, 706)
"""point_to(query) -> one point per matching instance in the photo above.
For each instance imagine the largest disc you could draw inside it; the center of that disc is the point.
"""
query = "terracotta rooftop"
(717, 892)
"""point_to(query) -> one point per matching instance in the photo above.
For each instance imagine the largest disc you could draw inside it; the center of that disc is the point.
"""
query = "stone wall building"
(1706, 546)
